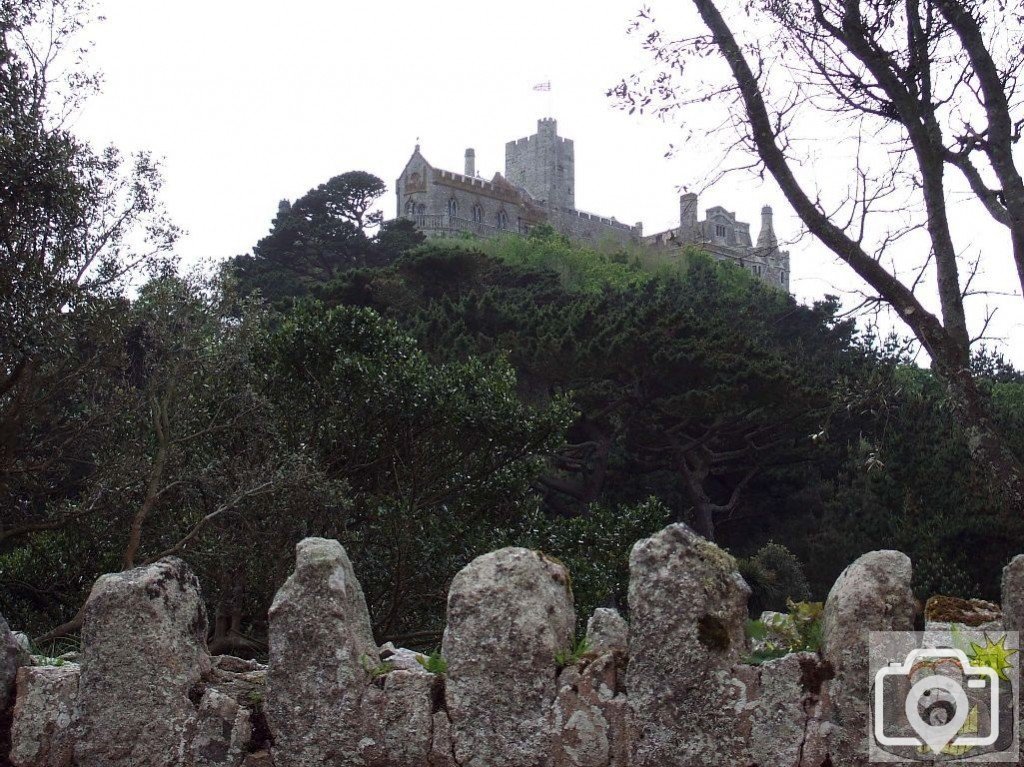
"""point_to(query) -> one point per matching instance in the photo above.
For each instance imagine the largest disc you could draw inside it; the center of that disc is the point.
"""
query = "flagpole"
(546, 86)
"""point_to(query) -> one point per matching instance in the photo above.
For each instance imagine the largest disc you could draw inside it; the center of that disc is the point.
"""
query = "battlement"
(470, 180)
(526, 140)
(597, 219)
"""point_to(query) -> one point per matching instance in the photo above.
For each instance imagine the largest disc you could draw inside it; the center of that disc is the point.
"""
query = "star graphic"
(994, 655)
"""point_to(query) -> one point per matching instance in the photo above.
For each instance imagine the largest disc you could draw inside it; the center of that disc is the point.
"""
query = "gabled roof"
(415, 153)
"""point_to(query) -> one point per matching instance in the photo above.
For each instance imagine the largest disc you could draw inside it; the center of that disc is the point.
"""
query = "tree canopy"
(936, 82)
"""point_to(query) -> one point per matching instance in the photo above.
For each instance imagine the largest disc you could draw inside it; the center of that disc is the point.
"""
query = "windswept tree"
(925, 93)
(331, 229)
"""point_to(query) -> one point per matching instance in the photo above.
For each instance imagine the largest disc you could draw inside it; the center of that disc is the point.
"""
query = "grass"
(570, 656)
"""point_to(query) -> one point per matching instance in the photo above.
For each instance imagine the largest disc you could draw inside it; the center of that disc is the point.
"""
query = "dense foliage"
(426, 402)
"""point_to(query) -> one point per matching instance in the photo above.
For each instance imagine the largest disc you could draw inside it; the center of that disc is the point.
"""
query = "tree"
(437, 458)
(76, 226)
(187, 459)
(936, 80)
(324, 233)
(690, 386)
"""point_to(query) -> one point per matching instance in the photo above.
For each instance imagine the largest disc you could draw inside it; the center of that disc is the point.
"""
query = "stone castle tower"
(543, 164)
(539, 187)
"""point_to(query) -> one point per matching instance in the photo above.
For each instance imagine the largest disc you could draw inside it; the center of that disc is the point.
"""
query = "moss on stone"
(716, 556)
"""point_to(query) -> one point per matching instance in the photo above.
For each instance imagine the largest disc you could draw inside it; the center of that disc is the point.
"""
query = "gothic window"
(502, 220)
(757, 270)
(453, 207)
(719, 230)
(421, 208)
(478, 214)
(410, 207)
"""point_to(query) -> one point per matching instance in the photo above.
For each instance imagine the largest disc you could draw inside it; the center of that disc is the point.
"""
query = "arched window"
(410, 207)
(453, 207)
(421, 208)
(502, 220)
(478, 214)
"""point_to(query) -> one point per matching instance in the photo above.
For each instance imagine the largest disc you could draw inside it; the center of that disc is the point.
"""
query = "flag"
(542, 86)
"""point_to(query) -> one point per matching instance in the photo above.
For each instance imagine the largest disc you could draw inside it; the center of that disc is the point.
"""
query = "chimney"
(688, 216)
(766, 239)
(470, 163)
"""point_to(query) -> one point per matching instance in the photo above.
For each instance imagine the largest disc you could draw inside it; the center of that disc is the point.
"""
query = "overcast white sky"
(251, 102)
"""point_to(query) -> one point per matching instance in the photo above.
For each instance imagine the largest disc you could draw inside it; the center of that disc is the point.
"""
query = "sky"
(251, 102)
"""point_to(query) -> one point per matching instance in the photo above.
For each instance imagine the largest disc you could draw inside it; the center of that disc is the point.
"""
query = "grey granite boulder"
(790, 717)
(688, 608)
(872, 594)
(607, 631)
(143, 650)
(41, 732)
(222, 731)
(509, 613)
(321, 658)
(590, 716)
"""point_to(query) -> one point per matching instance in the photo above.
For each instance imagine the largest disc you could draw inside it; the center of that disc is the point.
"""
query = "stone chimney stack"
(688, 216)
(470, 162)
(766, 239)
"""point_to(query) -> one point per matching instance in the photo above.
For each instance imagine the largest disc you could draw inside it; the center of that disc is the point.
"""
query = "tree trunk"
(986, 445)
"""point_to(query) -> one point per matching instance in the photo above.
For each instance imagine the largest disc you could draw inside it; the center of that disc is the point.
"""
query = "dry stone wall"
(668, 689)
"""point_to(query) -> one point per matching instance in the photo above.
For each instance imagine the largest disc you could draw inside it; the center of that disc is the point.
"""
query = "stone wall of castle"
(538, 188)
(668, 688)
(726, 238)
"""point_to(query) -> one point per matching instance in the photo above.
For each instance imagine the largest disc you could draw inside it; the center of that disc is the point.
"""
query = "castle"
(539, 188)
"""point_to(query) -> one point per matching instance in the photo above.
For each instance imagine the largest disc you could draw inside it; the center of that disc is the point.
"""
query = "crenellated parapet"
(672, 686)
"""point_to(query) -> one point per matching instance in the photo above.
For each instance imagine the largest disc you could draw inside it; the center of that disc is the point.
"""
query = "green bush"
(775, 576)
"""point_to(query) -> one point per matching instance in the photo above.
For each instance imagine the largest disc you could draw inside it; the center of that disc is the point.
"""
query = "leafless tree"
(918, 87)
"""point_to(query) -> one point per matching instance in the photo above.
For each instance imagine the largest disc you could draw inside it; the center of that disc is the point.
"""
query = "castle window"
(502, 220)
(453, 207)
(410, 207)
(719, 230)
(757, 270)
(478, 214)
(421, 208)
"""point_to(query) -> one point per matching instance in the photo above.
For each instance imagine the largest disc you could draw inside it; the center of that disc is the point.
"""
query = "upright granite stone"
(509, 613)
(41, 734)
(143, 649)
(607, 631)
(872, 594)
(1013, 594)
(321, 651)
(687, 607)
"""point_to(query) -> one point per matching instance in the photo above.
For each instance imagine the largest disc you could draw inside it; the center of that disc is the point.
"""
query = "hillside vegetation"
(424, 402)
